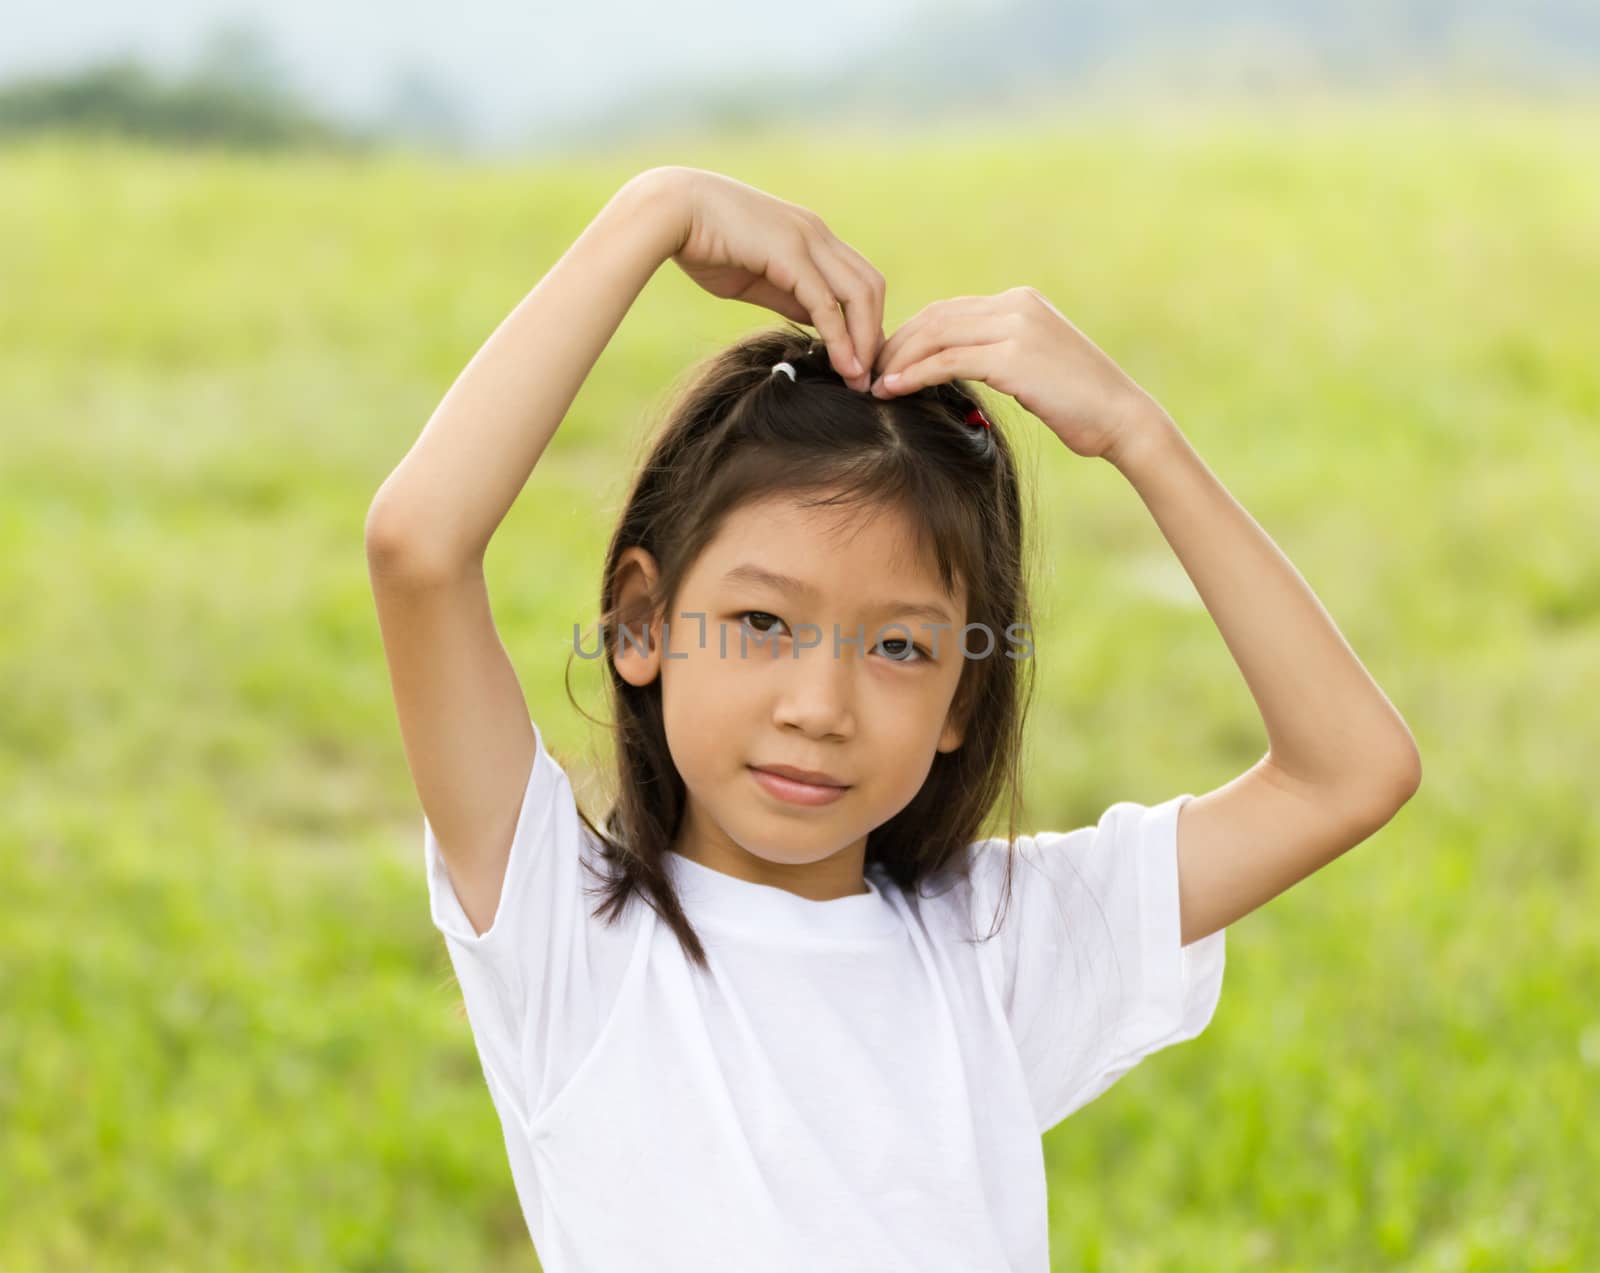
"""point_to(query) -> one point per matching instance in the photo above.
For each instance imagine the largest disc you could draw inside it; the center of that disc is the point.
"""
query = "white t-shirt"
(852, 1087)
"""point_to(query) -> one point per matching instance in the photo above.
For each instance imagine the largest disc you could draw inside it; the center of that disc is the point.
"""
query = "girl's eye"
(910, 652)
(910, 647)
(763, 631)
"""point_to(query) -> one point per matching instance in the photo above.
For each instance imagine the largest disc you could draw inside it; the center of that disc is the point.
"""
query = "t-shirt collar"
(724, 901)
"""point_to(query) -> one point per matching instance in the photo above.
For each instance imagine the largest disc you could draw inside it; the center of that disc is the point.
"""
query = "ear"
(638, 655)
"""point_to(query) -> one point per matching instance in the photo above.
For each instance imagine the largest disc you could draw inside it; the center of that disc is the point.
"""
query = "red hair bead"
(977, 419)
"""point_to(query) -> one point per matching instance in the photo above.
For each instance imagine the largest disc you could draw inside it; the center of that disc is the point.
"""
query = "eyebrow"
(752, 573)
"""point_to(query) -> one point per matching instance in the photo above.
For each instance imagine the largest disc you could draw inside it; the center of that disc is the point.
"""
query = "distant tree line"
(123, 98)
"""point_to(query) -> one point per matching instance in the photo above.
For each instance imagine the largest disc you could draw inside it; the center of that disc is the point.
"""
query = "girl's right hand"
(744, 244)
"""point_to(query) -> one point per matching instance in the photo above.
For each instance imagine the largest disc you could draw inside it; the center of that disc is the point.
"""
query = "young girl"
(786, 1010)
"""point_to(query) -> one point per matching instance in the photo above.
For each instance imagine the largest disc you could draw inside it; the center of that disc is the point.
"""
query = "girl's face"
(843, 670)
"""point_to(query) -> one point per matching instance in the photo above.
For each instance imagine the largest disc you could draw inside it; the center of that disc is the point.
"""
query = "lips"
(794, 791)
(813, 776)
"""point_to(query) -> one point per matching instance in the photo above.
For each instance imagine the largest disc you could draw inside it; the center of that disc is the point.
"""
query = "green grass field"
(230, 1038)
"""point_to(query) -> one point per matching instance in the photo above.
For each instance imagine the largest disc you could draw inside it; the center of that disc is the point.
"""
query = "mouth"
(795, 791)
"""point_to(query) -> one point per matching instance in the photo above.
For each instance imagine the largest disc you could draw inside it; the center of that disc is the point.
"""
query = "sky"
(506, 63)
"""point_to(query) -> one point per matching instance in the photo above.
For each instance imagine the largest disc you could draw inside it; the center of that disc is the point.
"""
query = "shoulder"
(962, 894)
(1059, 875)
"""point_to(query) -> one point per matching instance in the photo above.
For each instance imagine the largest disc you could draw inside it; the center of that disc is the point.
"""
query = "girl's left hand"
(1019, 343)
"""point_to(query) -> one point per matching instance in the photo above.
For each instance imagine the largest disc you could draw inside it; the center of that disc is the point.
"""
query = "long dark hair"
(737, 432)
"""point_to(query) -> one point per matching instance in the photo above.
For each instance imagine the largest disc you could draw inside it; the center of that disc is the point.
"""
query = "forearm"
(1327, 722)
(447, 496)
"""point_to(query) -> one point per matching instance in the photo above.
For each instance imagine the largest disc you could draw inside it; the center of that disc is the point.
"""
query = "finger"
(862, 310)
(934, 313)
(954, 362)
(812, 290)
(900, 336)
(865, 319)
(918, 340)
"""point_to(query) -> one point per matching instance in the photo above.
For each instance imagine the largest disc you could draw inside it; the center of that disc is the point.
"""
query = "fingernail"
(892, 379)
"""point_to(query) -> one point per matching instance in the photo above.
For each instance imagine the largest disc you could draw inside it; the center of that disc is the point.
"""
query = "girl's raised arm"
(465, 726)
(463, 721)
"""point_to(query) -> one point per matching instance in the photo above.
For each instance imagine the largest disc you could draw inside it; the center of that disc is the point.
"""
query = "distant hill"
(957, 60)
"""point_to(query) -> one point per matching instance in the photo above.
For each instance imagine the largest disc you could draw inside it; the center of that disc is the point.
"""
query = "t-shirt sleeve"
(538, 981)
(1094, 978)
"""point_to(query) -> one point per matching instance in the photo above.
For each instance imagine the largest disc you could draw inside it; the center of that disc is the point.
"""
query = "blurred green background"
(230, 1035)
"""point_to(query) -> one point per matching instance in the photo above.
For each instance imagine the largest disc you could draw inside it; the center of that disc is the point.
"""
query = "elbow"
(1371, 793)
(1396, 779)
(1414, 773)
(396, 549)
(384, 537)
(1407, 770)
(388, 544)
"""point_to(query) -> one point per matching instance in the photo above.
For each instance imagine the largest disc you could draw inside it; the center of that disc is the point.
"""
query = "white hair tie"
(783, 366)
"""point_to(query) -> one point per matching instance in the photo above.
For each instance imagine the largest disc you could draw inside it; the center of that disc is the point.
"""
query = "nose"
(816, 688)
